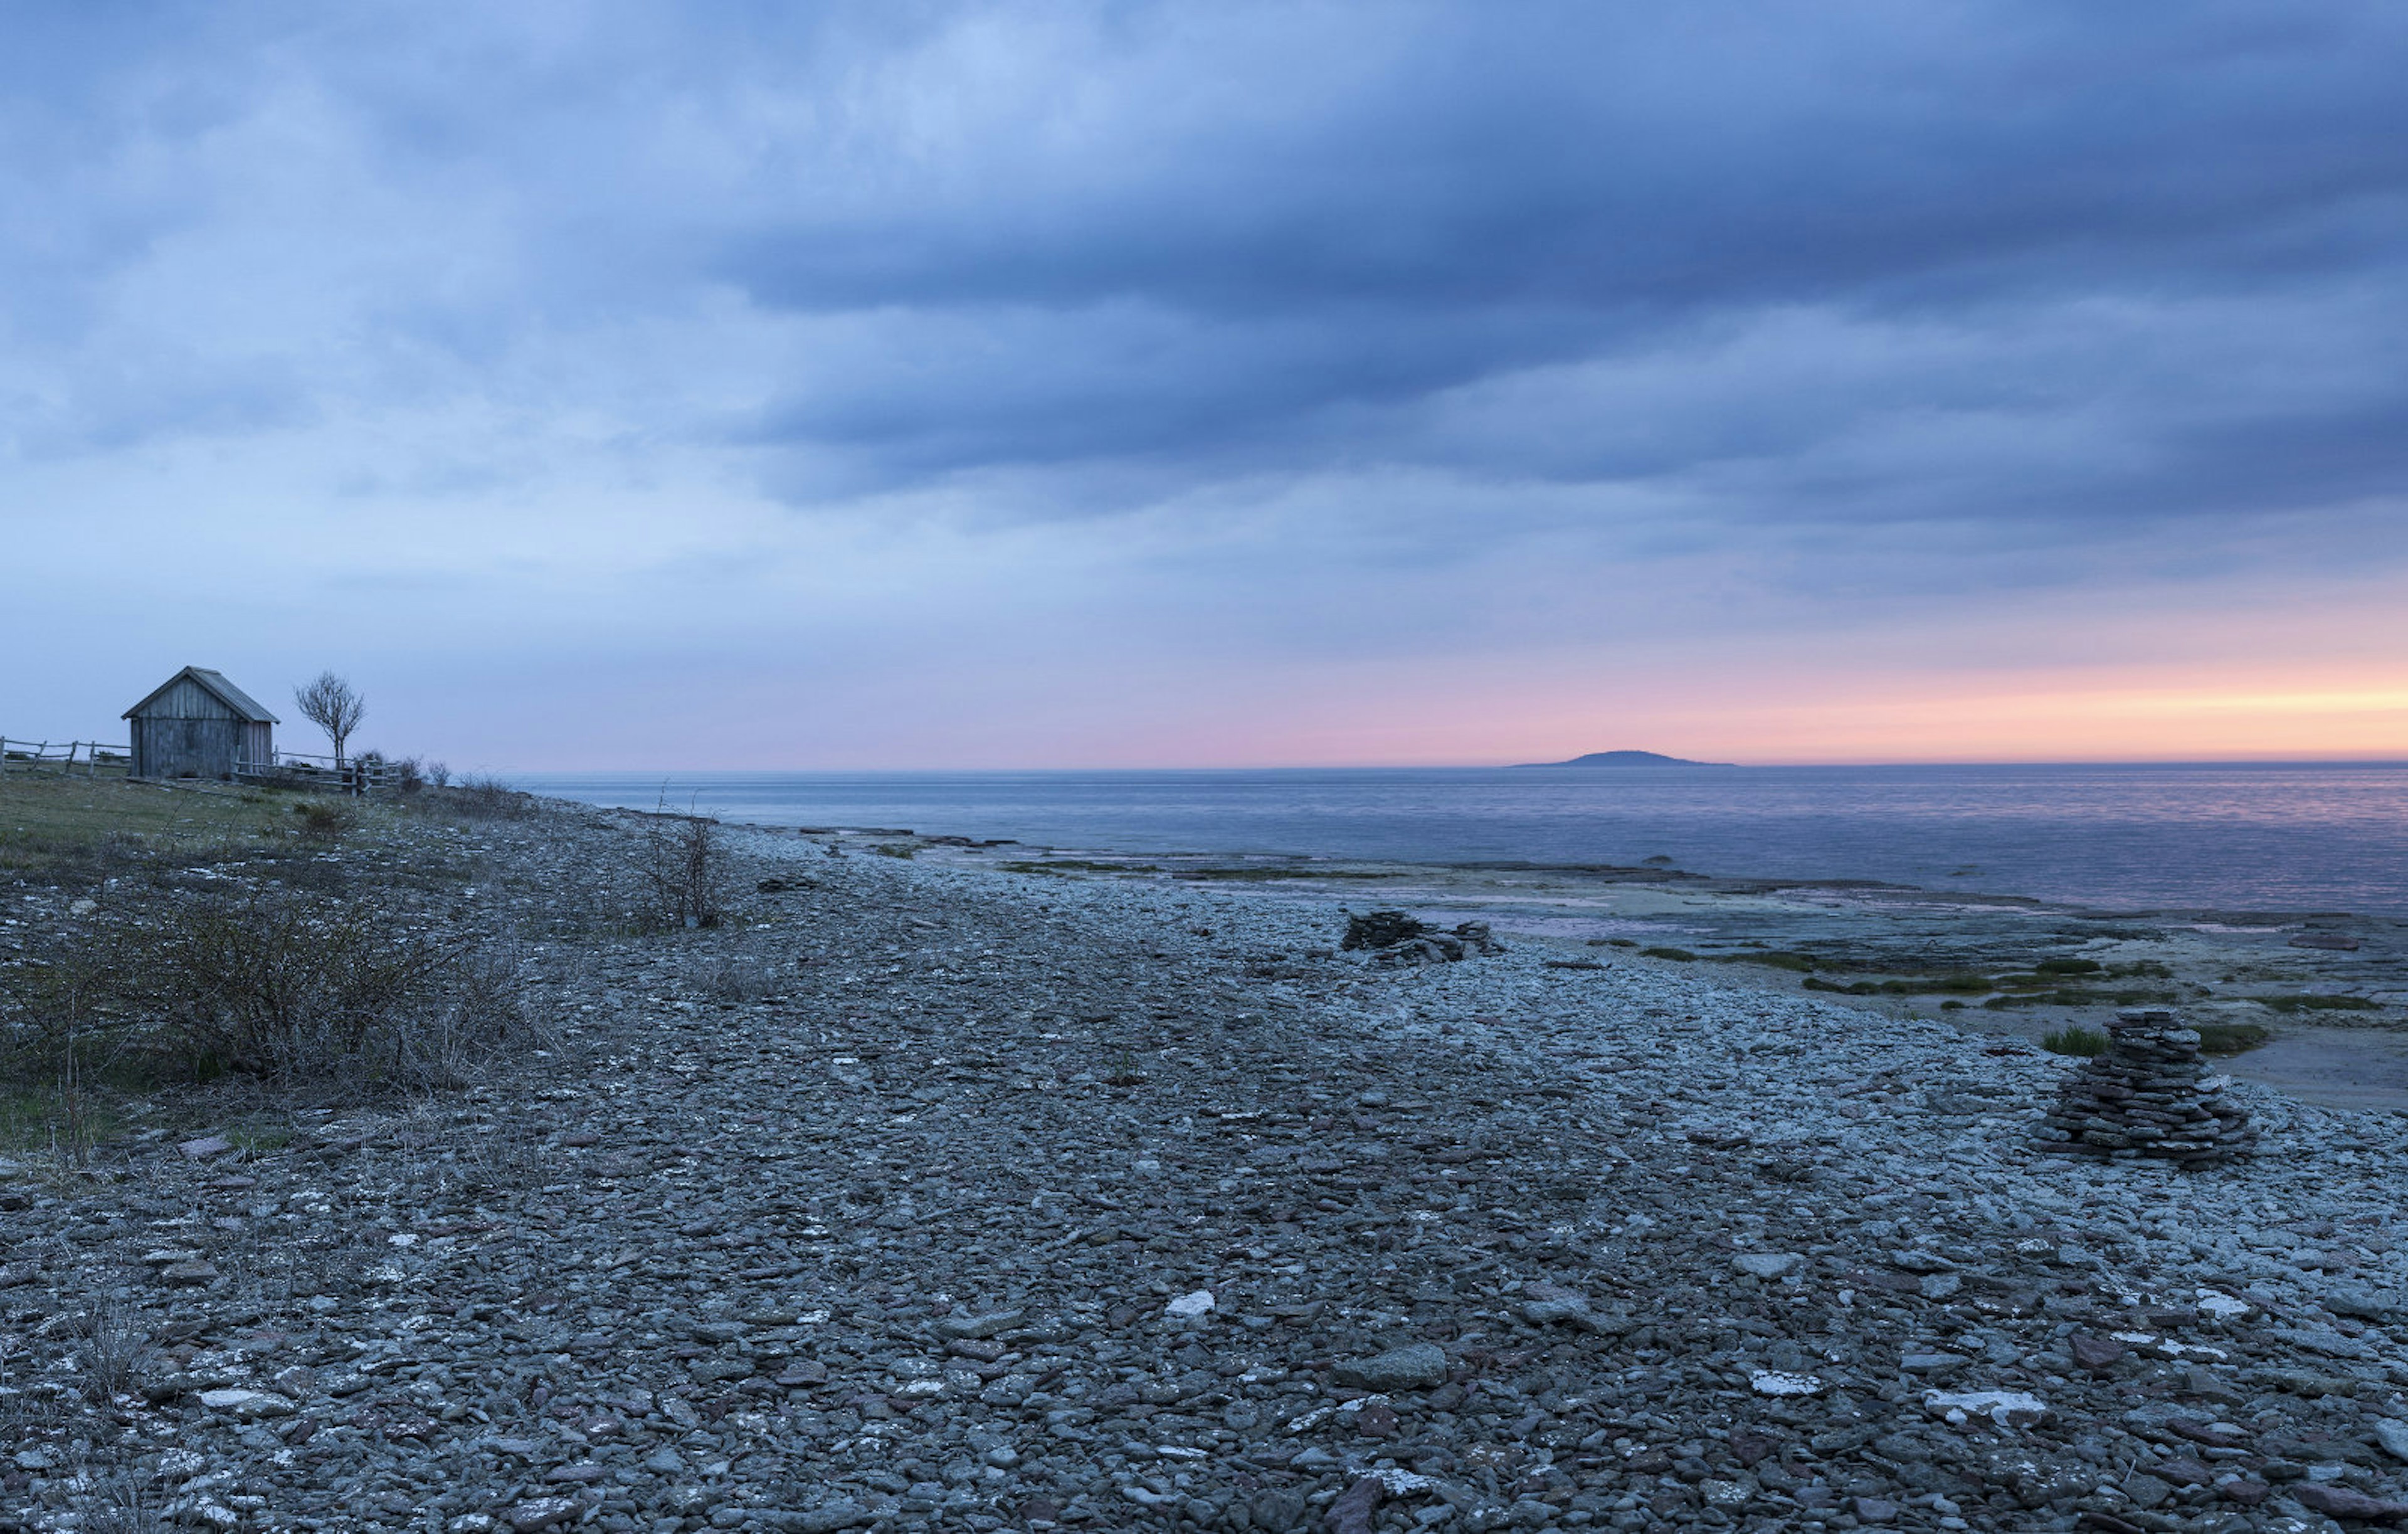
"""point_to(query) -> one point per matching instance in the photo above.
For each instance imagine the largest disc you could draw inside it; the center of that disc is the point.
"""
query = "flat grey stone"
(1417, 1365)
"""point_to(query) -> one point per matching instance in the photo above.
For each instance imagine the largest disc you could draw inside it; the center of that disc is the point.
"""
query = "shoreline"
(2275, 850)
(2335, 1018)
(924, 1194)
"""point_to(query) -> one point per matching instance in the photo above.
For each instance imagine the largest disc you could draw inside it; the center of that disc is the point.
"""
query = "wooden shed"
(199, 724)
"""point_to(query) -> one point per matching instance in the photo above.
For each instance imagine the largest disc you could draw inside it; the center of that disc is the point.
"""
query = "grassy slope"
(53, 825)
(67, 831)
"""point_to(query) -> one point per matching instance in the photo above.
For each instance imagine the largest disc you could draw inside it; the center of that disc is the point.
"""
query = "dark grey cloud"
(1762, 264)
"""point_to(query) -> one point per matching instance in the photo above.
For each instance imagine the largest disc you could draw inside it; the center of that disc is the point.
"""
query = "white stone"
(1189, 1306)
(1773, 1382)
(2393, 1435)
(2007, 1408)
(247, 1403)
(1766, 1265)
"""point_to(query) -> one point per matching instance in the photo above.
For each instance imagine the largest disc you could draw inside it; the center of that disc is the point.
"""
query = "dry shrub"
(682, 870)
(322, 821)
(736, 977)
(111, 1348)
(485, 796)
(286, 989)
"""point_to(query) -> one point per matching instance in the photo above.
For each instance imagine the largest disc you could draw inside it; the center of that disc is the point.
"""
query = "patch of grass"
(53, 825)
(41, 1120)
(1074, 864)
(1264, 876)
(110, 1350)
(2082, 998)
(1612, 942)
(322, 820)
(2069, 967)
(1774, 958)
(2074, 1040)
(1959, 984)
(2313, 1003)
(484, 798)
(895, 849)
(1124, 1072)
(1678, 955)
(2225, 1039)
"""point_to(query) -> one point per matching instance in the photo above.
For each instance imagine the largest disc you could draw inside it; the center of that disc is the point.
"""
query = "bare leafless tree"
(330, 704)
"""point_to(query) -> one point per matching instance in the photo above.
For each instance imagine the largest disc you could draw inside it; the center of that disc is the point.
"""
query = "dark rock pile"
(1397, 939)
(2149, 1095)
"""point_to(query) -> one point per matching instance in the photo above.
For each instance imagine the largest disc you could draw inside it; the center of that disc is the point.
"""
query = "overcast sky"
(920, 385)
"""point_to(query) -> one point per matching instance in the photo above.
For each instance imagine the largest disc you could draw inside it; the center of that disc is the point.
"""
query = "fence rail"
(351, 775)
(61, 756)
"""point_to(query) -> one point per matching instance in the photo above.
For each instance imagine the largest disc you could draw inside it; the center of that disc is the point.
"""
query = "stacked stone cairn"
(1398, 941)
(2150, 1095)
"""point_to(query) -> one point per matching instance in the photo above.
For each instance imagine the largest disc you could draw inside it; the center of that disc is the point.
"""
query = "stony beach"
(928, 1193)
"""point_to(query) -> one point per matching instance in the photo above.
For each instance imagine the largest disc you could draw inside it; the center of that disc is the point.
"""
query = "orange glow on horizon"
(2021, 719)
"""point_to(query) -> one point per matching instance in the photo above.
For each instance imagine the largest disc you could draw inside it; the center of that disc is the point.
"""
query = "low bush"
(681, 870)
(2074, 1040)
(322, 820)
(267, 984)
(737, 978)
(485, 796)
(2225, 1039)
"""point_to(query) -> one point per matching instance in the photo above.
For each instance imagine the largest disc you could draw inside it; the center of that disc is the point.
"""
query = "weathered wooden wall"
(186, 732)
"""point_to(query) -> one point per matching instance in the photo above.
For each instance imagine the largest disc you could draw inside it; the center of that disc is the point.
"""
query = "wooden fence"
(352, 775)
(63, 756)
(300, 769)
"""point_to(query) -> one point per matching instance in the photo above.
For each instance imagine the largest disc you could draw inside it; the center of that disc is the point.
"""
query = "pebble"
(884, 1203)
(1417, 1365)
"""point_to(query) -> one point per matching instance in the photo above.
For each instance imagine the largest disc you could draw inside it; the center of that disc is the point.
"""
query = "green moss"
(1961, 983)
(2082, 998)
(1264, 876)
(2311, 1003)
(1679, 956)
(2144, 970)
(1774, 958)
(2231, 1038)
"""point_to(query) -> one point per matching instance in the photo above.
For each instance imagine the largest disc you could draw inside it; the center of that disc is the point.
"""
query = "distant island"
(1624, 758)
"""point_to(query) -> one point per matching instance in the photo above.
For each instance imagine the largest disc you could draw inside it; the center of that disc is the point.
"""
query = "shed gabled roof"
(215, 684)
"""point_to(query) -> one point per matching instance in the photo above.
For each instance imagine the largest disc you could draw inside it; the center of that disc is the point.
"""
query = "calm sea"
(2263, 837)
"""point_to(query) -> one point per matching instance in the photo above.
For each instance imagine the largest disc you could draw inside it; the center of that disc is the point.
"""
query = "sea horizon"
(2324, 836)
